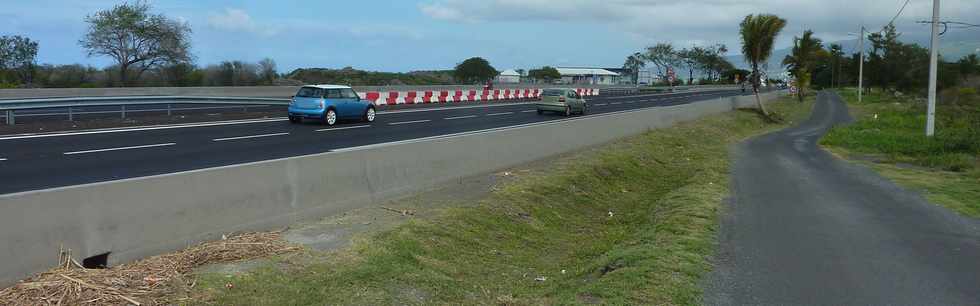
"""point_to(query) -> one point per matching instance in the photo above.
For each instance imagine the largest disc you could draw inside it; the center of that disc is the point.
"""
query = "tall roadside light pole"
(933, 71)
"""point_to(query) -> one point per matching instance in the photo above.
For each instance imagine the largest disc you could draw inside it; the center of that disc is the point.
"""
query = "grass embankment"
(891, 131)
(631, 223)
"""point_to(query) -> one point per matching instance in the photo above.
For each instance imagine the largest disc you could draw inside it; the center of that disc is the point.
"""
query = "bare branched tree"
(136, 39)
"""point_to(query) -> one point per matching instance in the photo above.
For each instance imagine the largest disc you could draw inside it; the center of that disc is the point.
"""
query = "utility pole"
(933, 71)
(861, 67)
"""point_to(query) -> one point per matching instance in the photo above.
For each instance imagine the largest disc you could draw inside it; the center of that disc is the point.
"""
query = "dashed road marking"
(121, 148)
(530, 111)
(146, 128)
(460, 117)
(250, 137)
(501, 114)
(343, 128)
(408, 122)
(601, 104)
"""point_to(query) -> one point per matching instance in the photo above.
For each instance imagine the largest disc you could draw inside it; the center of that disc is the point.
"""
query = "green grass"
(945, 167)
(631, 223)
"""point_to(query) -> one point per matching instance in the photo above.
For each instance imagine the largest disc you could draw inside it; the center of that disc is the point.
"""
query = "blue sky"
(436, 34)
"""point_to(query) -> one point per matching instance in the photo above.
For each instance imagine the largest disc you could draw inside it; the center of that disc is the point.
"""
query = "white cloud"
(441, 12)
(684, 22)
(236, 20)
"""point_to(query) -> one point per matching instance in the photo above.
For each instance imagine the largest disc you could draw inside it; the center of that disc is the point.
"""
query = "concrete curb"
(137, 218)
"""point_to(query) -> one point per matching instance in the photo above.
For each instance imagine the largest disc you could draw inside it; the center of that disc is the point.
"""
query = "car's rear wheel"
(293, 119)
(540, 112)
(370, 114)
(583, 110)
(568, 111)
(330, 118)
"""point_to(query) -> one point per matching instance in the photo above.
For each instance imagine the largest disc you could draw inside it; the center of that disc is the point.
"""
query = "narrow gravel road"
(805, 228)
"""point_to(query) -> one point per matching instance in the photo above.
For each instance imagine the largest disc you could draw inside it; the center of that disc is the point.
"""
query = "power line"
(963, 25)
(899, 13)
(951, 25)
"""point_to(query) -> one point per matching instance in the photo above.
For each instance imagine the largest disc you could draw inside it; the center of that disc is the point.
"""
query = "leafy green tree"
(664, 58)
(474, 70)
(836, 54)
(18, 54)
(633, 64)
(180, 75)
(758, 33)
(968, 66)
(692, 59)
(731, 75)
(267, 71)
(136, 39)
(546, 73)
(713, 63)
(802, 59)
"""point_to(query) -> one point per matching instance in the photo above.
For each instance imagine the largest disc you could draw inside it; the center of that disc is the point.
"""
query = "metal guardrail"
(10, 107)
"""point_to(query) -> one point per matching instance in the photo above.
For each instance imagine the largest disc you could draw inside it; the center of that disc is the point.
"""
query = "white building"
(590, 76)
(509, 76)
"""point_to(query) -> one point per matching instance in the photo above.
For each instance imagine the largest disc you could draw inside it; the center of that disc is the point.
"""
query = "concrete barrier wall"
(141, 217)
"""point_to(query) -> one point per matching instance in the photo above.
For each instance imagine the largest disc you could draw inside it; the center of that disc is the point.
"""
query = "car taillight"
(562, 99)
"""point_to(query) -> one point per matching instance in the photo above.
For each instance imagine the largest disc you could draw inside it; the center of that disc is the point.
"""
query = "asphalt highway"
(805, 228)
(32, 162)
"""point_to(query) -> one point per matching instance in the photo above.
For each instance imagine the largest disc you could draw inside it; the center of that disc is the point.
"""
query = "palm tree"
(633, 64)
(800, 61)
(758, 34)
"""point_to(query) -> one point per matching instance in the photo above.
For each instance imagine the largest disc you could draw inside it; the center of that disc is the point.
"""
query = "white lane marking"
(616, 103)
(3, 159)
(630, 102)
(600, 104)
(409, 122)
(529, 111)
(121, 148)
(501, 114)
(250, 137)
(343, 128)
(460, 117)
(146, 128)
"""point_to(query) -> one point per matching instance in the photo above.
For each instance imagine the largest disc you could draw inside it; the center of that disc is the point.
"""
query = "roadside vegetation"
(890, 131)
(633, 222)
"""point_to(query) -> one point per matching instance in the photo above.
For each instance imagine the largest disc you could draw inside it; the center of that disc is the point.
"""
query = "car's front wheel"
(370, 114)
(330, 118)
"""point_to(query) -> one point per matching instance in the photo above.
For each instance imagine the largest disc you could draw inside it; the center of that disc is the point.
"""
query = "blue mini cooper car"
(329, 103)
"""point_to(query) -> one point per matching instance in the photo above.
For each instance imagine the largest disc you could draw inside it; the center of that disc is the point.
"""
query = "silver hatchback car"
(565, 101)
